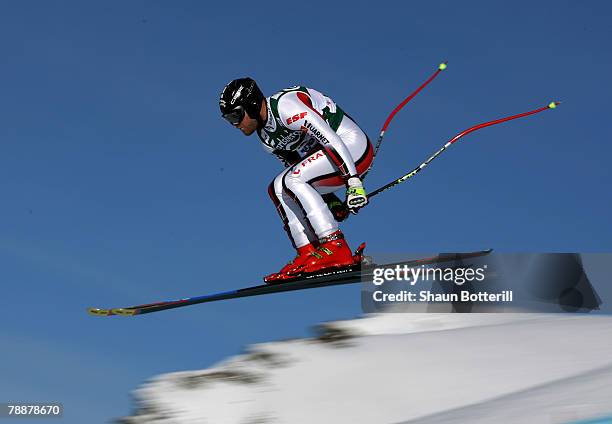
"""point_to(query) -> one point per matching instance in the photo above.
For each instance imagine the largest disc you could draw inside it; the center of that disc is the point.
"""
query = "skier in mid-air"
(323, 151)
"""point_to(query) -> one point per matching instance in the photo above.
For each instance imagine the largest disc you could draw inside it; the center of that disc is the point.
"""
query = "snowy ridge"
(403, 368)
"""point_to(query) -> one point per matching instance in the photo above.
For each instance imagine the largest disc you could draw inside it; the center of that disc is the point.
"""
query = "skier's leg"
(296, 185)
(298, 229)
(295, 224)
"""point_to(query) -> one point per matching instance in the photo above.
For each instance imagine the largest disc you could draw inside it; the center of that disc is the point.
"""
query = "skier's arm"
(297, 113)
(299, 106)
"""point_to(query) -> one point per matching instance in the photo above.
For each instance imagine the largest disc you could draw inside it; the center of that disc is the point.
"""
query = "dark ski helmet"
(239, 96)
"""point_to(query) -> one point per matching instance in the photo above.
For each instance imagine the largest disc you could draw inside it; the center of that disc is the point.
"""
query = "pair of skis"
(355, 274)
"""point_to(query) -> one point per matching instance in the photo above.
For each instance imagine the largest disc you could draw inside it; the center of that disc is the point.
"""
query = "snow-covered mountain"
(404, 368)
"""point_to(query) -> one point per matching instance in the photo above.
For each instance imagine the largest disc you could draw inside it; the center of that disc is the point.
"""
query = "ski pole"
(412, 173)
(441, 67)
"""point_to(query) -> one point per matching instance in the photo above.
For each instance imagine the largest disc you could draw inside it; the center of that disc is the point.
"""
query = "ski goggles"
(235, 116)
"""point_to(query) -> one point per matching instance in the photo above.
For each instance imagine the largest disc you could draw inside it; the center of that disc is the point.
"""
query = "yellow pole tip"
(442, 66)
(553, 105)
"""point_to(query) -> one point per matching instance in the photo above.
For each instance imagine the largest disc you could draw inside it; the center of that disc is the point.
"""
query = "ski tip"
(443, 65)
(126, 312)
(553, 105)
(99, 312)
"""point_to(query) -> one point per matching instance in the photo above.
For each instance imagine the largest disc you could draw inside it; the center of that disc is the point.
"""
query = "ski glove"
(356, 197)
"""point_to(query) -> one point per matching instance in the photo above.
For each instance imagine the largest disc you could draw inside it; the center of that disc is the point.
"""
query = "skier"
(323, 150)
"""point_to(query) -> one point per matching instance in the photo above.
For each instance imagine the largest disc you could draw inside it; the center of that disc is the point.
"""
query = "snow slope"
(403, 368)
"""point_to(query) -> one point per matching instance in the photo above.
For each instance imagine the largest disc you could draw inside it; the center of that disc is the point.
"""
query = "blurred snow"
(403, 368)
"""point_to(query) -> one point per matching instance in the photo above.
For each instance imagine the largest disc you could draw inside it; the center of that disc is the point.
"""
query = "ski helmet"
(239, 96)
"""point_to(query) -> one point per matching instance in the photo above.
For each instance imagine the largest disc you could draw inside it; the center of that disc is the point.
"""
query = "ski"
(350, 275)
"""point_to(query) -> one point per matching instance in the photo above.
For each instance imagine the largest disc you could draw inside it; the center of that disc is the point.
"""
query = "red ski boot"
(303, 253)
(333, 252)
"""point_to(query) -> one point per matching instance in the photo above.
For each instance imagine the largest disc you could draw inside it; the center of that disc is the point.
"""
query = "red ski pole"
(412, 173)
(441, 67)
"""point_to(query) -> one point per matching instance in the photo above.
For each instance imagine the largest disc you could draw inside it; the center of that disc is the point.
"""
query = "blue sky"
(121, 184)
